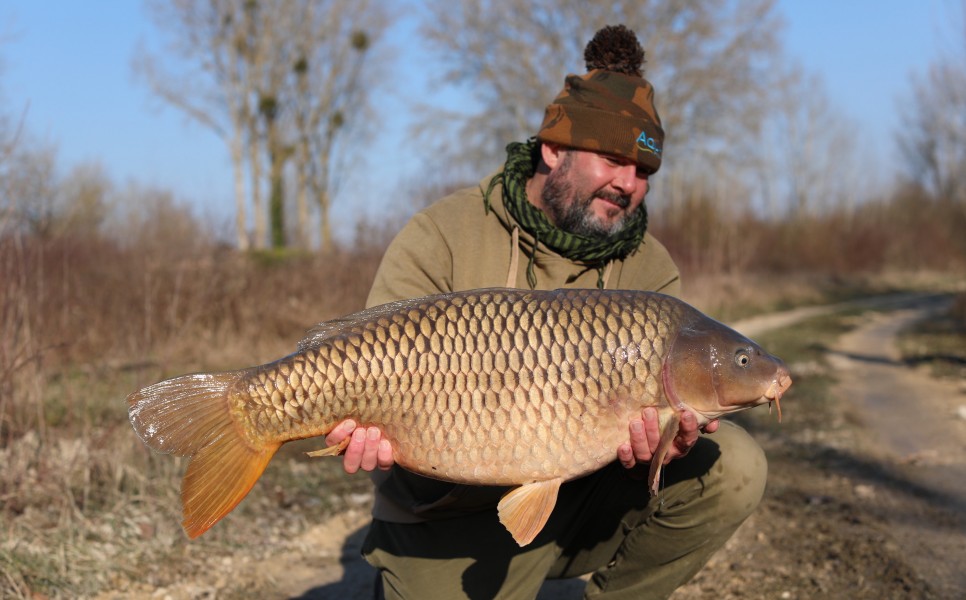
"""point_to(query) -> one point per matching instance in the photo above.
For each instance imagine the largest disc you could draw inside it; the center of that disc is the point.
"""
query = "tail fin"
(190, 416)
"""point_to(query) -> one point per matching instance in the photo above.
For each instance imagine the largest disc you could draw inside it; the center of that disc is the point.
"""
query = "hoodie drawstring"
(603, 273)
(511, 278)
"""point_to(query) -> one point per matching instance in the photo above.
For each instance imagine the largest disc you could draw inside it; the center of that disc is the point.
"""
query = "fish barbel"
(486, 387)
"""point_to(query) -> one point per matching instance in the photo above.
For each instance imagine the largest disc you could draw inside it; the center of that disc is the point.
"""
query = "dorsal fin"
(326, 329)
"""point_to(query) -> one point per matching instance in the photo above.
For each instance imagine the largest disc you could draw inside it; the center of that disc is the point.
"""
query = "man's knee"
(739, 473)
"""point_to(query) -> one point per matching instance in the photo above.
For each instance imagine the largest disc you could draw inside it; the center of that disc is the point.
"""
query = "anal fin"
(525, 510)
(331, 450)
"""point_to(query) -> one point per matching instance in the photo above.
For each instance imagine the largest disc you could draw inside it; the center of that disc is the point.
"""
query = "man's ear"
(552, 154)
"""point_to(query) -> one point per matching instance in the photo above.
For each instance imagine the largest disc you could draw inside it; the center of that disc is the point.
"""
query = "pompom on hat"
(611, 108)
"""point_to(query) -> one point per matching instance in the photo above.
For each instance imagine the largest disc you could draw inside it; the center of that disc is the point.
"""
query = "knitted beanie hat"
(611, 108)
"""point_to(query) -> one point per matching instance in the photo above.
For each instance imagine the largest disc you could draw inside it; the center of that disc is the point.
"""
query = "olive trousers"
(605, 523)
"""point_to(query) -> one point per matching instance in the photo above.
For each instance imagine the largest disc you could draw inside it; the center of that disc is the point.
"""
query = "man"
(567, 210)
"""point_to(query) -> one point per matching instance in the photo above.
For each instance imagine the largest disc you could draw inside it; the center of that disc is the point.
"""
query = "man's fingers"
(353, 452)
(365, 448)
(370, 450)
(638, 448)
(384, 459)
(341, 432)
(686, 437)
(652, 428)
(689, 426)
(626, 456)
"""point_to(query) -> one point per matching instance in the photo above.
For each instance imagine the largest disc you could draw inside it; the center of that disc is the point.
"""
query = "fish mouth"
(778, 387)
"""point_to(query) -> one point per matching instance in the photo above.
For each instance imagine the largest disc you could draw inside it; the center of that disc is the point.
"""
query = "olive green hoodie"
(457, 244)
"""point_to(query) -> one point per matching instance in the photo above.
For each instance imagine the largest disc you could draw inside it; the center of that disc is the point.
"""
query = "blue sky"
(66, 67)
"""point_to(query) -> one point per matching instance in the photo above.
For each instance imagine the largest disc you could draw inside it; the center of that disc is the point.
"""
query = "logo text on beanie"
(646, 144)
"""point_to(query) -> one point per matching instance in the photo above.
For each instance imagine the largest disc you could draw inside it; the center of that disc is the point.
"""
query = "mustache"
(621, 200)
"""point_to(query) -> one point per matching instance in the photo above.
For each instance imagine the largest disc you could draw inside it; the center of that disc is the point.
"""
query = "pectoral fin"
(663, 447)
(525, 510)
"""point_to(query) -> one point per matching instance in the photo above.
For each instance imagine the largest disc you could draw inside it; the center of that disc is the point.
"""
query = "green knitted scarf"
(592, 252)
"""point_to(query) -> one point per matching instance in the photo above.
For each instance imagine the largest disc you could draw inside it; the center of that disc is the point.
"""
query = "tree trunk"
(238, 174)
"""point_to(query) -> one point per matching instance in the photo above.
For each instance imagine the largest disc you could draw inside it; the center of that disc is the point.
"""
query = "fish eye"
(742, 358)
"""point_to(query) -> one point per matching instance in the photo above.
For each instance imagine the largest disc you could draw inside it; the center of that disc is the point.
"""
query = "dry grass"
(86, 319)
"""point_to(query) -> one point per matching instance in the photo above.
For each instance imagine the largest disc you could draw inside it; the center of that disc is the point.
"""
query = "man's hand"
(366, 449)
(645, 436)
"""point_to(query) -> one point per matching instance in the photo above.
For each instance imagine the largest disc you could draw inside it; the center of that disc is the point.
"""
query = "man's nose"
(626, 180)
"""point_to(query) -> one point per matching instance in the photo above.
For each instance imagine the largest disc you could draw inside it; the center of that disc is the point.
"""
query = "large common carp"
(487, 387)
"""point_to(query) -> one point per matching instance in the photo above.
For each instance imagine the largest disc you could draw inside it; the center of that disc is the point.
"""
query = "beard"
(570, 210)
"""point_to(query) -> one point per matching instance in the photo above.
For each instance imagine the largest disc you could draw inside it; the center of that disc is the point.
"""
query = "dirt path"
(916, 424)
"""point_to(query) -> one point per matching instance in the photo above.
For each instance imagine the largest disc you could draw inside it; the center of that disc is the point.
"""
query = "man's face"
(593, 194)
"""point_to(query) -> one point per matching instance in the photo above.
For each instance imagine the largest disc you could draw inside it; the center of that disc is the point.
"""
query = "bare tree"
(284, 78)
(29, 189)
(217, 45)
(83, 200)
(933, 133)
(809, 163)
(332, 75)
(714, 65)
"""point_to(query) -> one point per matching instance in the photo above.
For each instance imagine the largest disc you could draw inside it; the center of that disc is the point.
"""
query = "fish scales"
(489, 387)
(525, 391)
